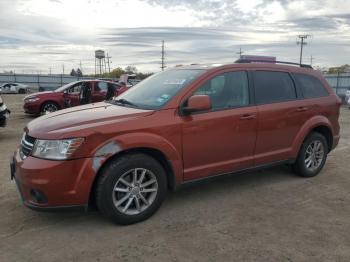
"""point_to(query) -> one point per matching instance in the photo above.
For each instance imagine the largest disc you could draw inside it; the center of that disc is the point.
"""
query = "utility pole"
(62, 69)
(108, 63)
(240, 52)
(311, 59)
(302, 43)
(50, 69)
(80, 66)
(163, 57)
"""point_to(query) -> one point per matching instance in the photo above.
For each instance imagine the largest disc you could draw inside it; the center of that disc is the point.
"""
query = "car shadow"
(183, 197)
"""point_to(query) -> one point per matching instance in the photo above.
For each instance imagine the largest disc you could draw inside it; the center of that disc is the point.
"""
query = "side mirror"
(197, 103)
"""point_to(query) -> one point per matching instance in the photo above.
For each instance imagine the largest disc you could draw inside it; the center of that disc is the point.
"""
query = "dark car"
(72, 94)
(4, 113)
(175, 127)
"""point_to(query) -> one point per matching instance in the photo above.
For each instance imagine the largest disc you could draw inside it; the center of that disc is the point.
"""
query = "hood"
(81, 119)
(44, 93)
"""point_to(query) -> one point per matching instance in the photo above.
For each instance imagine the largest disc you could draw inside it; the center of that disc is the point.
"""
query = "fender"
(312, 123)
(136, 140)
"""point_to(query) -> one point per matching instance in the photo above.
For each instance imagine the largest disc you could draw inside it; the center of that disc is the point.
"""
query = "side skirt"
(246, 170)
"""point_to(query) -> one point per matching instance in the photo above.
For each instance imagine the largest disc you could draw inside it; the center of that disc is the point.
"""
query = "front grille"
(27, 144)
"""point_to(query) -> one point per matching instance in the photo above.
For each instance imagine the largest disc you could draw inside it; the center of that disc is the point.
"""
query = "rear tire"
(312, 155)
(127, 198)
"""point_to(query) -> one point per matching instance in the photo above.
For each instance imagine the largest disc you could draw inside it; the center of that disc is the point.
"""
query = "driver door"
(223, 139)
(72, 95)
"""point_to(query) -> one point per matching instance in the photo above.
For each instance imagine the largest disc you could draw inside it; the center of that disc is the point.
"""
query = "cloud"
(47, 33)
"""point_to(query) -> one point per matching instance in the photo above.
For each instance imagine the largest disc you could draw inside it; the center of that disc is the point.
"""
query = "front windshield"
(62, 88)
(156, 90)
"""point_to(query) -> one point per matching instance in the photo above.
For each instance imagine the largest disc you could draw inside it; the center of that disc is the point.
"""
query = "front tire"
(131, 188)
(48, 107)
(312, 155)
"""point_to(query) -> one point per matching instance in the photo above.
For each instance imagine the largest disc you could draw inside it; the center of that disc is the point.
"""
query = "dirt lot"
(270, 215)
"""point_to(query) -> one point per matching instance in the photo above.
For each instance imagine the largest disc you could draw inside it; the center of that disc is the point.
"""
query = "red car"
(178, 126)
(72, 94)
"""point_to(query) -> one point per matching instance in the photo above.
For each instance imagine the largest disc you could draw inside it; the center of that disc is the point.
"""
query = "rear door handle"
(302, 109)
(247, 117)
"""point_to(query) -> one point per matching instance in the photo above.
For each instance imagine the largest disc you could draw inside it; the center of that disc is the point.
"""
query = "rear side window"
(310, 86)
(101, 86)
(271, 87)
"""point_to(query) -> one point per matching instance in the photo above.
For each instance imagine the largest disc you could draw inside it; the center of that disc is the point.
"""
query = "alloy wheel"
(135, 191)
(314, 155)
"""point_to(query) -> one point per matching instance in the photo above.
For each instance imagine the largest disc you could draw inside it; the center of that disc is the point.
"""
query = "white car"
(347, 97)
(13, 88)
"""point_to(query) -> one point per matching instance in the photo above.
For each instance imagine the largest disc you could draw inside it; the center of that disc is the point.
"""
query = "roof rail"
(271, 62)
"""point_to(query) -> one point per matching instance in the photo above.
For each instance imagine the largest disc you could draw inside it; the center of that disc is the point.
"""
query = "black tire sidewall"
(110, 175)
(300, 164)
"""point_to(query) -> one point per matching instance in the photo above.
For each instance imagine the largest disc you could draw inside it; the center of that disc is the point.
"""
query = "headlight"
(31, 99)
(56, 149)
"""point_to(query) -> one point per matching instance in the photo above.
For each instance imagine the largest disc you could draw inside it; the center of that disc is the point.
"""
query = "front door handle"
(247, 117)
(302, 109)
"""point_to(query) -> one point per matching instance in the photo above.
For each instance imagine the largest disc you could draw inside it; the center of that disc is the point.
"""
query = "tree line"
(115, 73)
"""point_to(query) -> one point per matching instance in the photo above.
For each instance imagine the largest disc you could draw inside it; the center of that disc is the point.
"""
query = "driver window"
(74, 89)
(227, 90)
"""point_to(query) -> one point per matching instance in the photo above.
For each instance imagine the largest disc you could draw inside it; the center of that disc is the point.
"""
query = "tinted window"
(101, 86)
(273, 87)
(227, 90)
(310, 86)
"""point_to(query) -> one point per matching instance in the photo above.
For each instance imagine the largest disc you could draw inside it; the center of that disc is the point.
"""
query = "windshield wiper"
(124, 102)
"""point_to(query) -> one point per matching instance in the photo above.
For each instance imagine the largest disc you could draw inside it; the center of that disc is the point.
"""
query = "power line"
(163, 57)
(302, 43)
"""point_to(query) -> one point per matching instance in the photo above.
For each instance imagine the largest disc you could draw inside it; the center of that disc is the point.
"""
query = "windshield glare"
(156, 90)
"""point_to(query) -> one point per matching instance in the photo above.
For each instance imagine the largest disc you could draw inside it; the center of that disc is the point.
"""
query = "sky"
(43, 35)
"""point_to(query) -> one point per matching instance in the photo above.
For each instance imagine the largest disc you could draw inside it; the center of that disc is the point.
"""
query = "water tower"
(100, 62)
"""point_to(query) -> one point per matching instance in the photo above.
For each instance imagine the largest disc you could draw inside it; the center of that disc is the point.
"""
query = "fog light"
(38, 196)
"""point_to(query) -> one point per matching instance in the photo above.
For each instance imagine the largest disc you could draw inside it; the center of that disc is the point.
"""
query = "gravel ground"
(270, 215)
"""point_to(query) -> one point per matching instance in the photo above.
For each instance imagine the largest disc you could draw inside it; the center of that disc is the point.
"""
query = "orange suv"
(178, 126)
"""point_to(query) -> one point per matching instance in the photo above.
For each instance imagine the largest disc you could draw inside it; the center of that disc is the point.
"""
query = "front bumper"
(31, 108)
(60, 184)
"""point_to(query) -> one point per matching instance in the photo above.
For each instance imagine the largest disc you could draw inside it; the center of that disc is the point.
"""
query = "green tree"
(79, 72)
(73, 72)
(339, 69)
(130, 70)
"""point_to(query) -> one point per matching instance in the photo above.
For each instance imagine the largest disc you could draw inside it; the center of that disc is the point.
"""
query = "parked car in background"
(347, 97)
(175, 127)
(72, 94)
(13, 88)
(4, 113)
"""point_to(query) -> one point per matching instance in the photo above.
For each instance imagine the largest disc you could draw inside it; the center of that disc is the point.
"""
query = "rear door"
(100, 91)
(223, 139)
(281, 113)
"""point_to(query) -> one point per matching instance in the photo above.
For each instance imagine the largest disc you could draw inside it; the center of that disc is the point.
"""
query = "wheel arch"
(50, 101)
(162, 150)
(318, 124)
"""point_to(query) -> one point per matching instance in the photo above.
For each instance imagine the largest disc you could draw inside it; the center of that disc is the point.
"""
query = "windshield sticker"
(174, 82)
(160, 100)
(165, 96)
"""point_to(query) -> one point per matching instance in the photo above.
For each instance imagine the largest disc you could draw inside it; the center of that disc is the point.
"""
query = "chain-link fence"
(340, 83)
(38, 82)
